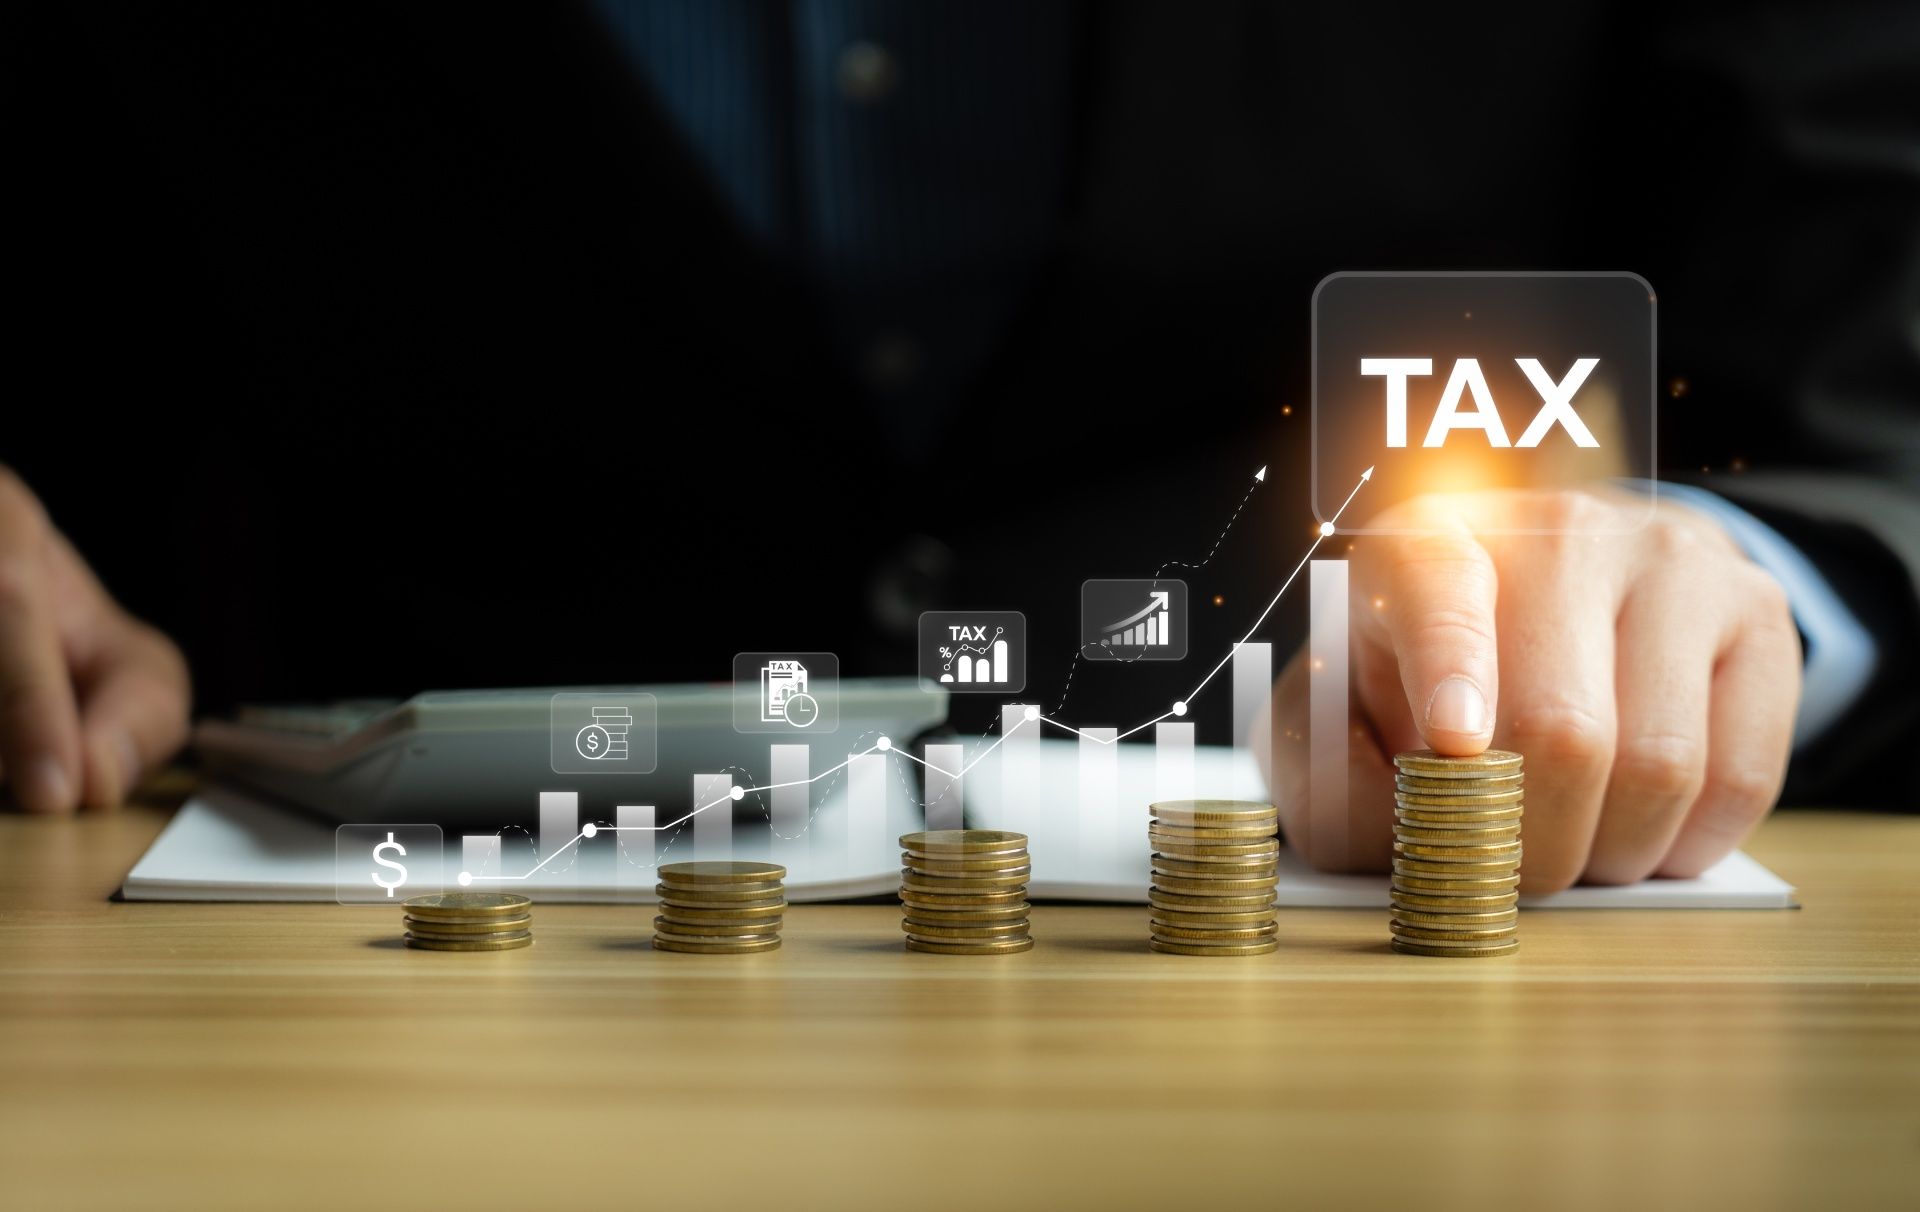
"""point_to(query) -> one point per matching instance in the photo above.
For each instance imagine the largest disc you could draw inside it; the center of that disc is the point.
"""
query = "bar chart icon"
(1133, 620)
(974, 650)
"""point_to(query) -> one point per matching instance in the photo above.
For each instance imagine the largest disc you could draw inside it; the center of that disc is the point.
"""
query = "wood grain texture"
(277, 1056)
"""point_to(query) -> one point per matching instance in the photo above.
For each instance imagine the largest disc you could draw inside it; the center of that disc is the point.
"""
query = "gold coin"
(1189, 834)
(964, 841)
(494, 925)
(1427, 902)
(711, 948)
(1255, 866)
(434, 930)
(1458, 837)
(1409, 947)
(720, 872)
(1424, 799)
(966, 866)
(1212, 812)
(1414, 782)
(1268, 848)
(982, 916)
(1492, 851)
(468, 905)
(1226, 917)
(724, 913)
(1437, 765)
(1456, 821)
(668, 933)
(935, 930)
(930, 886)
(1201, 934)
(976, 947)
(739, 894)
(1448, 918)
(1161, 899)
(1428, 885)
(511, 942)
(962, 900)
(754, 929)
(1181, 887)
(1462, 872)
(966, 881)
(1444, 934)
(1184, 947)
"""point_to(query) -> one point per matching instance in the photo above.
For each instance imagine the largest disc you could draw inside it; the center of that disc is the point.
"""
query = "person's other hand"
(1649, 677)
(90, 697)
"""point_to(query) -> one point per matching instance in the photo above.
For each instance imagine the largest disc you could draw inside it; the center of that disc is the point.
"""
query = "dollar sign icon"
(384, 861)
(591, 742)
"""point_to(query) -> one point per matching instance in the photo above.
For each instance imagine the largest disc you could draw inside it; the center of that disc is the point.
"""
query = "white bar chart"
(712, 826)
(1172, 761)
(1252, 684)
(1099, 793)
(633, 858)
(480, 854)
(1019, 767)
(1327, 714)
(791, 800)
(559, 825)
(866, 808)
(946, 791)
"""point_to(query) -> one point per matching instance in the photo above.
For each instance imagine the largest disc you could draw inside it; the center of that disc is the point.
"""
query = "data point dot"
(737, 792)
(588, 830)
(1033, 713)
(1326, 529)
(466, 877)
(883, 744)
(1180, 708)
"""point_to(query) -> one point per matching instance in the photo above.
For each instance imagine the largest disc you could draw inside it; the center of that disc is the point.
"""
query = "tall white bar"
(1000, 667)
(712, 826)
(789, 805)
(946, 791)
(1172, 761)
(1252, 685)
(559, 824)
(1327, 715)
(480, 854)
(1019, 768)
(633, 861)
(1099, 793)
(867, 809)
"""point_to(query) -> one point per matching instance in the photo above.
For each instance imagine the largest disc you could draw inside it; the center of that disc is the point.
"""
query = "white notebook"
(225, 845)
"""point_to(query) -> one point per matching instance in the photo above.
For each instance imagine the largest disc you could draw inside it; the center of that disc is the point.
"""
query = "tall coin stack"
(469, 921)
(1456, 854)
(720, 908)
(1215, 866)
(965, 892)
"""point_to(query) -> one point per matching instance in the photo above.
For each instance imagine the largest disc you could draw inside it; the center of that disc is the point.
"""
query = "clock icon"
(801, 710)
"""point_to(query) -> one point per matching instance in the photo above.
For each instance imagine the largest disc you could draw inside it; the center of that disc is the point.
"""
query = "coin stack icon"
(469, 921)
(1456, 854)
(720, 908)
(1215, 868)
(965, 892)
(616, 721)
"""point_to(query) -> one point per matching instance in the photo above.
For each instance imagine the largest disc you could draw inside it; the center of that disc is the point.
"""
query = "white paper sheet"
(224, 845)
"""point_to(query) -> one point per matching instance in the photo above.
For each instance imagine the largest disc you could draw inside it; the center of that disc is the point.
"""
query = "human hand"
(90, 697)
(1650, 678)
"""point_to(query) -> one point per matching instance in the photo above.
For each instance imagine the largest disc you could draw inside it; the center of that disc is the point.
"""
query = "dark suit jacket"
(375, 348)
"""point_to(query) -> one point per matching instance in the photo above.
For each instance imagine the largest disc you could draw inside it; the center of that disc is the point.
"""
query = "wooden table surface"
(277, 1056)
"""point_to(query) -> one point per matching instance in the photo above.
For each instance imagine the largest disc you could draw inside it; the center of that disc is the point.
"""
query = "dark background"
(370, 349)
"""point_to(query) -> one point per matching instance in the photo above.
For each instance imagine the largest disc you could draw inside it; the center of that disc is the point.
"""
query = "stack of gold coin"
(720, 908)
(469, 921)
(1456, 854)
(965, 892)
(1215, 864)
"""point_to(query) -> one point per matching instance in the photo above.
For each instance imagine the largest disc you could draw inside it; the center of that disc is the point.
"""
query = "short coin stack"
(1215, 864)
(720, 908)
(1456, 854)
(469, 921)
(965, 892)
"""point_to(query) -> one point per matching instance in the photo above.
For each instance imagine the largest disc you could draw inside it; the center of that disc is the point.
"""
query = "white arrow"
(1161, 600)
(1261, 475)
